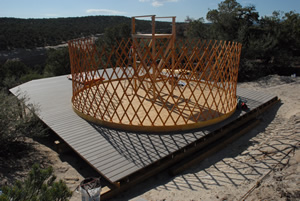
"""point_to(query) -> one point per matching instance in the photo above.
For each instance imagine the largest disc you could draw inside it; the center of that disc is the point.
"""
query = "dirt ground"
(261, 165)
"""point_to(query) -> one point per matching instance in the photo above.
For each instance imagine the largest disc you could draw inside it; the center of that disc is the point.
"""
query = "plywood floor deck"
(114, 154)
(130, 111)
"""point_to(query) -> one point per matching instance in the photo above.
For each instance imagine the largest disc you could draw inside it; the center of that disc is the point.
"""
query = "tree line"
(270, 43)
(30, 33)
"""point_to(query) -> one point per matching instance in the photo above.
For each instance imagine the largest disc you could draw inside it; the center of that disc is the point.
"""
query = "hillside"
(30, 33)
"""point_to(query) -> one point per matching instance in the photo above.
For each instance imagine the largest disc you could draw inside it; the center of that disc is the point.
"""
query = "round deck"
(181, 109)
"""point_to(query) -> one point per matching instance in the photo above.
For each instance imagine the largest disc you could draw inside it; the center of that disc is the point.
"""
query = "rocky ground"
(261, 165)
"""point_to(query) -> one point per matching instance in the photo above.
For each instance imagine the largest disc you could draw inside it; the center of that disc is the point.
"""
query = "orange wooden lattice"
(188, 85)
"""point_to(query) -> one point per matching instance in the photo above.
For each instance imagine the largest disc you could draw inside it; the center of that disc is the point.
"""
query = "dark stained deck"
(114, 154)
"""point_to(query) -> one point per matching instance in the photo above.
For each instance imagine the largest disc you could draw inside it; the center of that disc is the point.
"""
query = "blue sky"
(180, 8)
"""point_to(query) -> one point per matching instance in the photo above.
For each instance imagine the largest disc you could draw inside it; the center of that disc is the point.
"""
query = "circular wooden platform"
(173, 108)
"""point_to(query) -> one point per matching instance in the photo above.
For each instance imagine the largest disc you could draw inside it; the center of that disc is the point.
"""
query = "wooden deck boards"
(115, 154)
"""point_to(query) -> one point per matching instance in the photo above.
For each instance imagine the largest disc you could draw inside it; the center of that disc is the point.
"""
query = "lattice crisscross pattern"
(179, 86)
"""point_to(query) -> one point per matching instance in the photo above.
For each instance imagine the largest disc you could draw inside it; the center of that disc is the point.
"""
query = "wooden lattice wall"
(188, 85)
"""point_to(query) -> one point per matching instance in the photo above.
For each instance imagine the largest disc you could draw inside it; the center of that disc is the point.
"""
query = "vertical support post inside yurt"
(153, 63)
(153, 68)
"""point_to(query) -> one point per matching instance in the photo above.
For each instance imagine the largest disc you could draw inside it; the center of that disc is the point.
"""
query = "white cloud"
(158, 3)
(105, 12)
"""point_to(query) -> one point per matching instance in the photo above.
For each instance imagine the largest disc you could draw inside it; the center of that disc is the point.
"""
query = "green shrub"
(58, 62)
(40, 185)
(16, 122)
(15, 68)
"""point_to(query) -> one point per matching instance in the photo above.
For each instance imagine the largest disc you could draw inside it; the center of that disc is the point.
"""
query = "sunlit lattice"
(128, 86)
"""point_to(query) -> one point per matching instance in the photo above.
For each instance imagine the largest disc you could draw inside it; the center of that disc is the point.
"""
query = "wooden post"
(133, 25)
(173, 50)
(153, 56)
(153, 36)
(135, 73)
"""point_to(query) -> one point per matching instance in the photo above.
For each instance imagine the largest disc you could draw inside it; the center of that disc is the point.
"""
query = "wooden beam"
(141, 16)
(150, 36)
(167, 17)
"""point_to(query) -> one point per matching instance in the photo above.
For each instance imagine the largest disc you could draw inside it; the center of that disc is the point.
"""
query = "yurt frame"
(152, 82)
